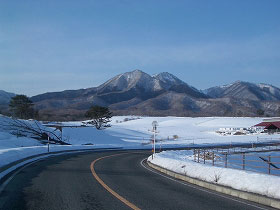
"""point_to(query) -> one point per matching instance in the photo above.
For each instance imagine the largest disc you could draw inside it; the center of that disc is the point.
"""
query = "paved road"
(67, 182)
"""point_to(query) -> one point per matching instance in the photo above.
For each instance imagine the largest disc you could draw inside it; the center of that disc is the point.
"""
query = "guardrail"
(262, 161)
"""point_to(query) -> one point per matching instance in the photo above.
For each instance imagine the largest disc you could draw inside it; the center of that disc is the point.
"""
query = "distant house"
(270, 125)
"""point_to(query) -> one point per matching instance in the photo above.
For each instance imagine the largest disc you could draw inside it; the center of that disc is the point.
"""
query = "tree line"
(23, 108)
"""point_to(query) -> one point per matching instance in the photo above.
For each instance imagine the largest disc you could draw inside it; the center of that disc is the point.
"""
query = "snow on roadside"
(13, 148)
(181, 162)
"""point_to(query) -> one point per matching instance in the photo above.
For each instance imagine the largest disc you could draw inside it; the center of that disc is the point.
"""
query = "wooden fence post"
(198, 155)
(204, 156)
(213, 158)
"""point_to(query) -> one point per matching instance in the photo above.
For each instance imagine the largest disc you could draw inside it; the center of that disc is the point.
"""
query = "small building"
(270, 125)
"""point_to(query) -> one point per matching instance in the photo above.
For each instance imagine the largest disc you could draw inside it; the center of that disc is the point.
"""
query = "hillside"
(5, 98)
(245, 90)
(163, 94)
(123, 92)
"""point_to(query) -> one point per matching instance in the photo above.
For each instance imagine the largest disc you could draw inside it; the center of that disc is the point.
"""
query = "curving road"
(69, 182)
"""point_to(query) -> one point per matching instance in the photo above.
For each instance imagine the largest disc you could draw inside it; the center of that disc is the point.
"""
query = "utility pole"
(154, 124)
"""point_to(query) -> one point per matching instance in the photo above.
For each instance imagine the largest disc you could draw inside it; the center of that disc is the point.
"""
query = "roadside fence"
(265, 161)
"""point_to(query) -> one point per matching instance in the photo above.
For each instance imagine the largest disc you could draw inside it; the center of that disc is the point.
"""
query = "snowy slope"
(200, 130)
(245, 90)
(168, 79)
(270, 89)
(137, 132)
(128, 80)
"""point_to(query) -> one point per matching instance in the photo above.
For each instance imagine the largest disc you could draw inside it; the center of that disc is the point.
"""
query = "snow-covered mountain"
(5, 97)
(168, 79)
(270, 90)
(121, 92)
(140, 84)
(245, 90)
(163, 94)
(128, 80)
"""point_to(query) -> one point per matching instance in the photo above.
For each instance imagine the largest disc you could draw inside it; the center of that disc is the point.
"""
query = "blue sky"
(51, 45)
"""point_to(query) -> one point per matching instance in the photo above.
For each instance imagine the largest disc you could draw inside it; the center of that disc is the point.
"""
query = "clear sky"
(53, 45)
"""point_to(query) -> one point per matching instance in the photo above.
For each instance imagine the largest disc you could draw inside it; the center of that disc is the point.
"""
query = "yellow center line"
(122, 199)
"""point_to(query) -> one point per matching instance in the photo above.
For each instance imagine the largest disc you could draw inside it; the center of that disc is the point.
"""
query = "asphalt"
(66, 182)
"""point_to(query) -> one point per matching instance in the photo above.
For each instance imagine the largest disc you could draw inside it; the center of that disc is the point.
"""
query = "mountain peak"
(135, 74)
(168, 78)
(136, 71)
(128, 80)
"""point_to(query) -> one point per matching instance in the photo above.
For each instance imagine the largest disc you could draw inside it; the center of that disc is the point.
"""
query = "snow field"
(135, 132)
(200, 130)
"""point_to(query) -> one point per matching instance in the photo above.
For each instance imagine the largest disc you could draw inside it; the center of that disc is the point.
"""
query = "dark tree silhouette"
(99, 116)
(260, 112)
(22, 107)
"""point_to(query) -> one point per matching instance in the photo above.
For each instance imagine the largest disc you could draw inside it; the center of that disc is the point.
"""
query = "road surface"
(106, 180)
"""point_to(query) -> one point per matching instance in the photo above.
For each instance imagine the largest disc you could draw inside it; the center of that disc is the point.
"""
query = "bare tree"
(32, 129)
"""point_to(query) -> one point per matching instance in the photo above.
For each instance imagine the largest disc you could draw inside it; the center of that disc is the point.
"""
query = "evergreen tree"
(22, 107)
(100, 116)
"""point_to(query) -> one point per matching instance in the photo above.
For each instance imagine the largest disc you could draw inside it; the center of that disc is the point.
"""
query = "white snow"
(167, 78)
(135, 132)
(181, 162)
(200, 130)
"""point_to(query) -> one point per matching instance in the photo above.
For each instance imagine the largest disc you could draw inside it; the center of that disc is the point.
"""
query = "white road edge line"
(198, 188)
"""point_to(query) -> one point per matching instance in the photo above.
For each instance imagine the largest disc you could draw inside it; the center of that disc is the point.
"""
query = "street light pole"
(154, 124)
(154, 143)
